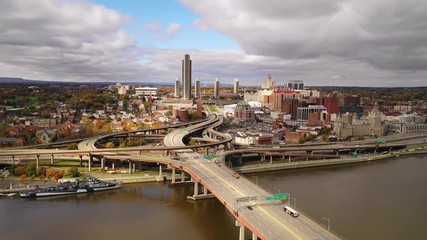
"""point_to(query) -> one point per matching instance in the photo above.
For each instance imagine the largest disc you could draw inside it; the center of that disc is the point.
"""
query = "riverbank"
(267, 167)
(14, 185)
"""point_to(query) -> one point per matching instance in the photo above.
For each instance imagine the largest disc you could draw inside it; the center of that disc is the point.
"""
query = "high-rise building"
(331, 103)
(236, 86)
(197, 89)
(216, 88)
(290, 106)
(177, 88)
(276, 101)
(295, 84)
(186, 77)
(268, 82)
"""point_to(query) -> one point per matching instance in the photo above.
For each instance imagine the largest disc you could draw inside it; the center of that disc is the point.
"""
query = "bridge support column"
(51, 159)
(90, 162)
(241, 230)
(13, 160)
(182, 176)
(240, 159)
(37, 161)
(207, 150)
(130, 167)
(271, 159)
(134, 167)
(81, 161)
(205, 191)
(254, 236)
(173, 175)
(160, 170)
(112, 166)
(102, 163)
(290, 158)
(196, 189)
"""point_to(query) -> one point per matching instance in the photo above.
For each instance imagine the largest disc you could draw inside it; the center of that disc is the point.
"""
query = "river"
(379, 200)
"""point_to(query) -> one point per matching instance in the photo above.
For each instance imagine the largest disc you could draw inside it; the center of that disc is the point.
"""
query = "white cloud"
(172, 29)
(65, 40)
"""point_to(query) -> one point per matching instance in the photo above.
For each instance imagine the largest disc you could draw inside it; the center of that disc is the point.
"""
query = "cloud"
(385, 34)
(172, 29)
(65, 40)
(323, 42)
(161, 33)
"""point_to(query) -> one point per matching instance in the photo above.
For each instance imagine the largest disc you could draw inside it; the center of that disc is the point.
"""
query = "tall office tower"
(268, 82)
(295, 84)
(186, 77)
(197, 89)
(177, 88)
(236, 86)
(216, 88)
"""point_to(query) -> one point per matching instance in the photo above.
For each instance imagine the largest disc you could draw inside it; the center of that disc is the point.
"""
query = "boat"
(69, 188)
(95, 185)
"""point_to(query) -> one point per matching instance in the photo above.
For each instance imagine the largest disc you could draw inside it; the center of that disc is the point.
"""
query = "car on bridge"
(291, 211)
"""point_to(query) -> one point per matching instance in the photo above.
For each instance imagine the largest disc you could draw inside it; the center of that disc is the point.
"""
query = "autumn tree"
(30, 169)
(109, 145)
(72, 146)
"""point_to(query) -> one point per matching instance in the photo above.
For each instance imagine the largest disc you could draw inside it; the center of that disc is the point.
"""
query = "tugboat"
(68, 188)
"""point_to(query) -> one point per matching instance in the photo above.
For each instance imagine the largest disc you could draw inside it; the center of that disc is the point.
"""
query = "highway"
(267, 218)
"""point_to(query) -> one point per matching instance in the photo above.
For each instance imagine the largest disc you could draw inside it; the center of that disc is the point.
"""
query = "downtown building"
(186, 77)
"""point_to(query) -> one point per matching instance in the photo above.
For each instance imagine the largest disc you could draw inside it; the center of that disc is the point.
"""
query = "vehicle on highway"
(291, 211)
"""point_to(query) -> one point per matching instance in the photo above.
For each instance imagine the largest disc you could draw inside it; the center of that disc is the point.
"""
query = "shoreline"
(246, 169)
(266, 167)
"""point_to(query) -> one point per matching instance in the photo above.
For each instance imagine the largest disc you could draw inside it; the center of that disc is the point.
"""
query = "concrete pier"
(241, 230)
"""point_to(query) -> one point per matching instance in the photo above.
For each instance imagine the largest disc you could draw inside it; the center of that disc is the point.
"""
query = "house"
(46, 135)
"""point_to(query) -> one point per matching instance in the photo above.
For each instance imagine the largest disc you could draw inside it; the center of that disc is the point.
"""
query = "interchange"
(266, 220)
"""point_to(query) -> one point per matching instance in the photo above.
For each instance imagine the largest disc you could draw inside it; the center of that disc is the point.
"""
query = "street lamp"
(329, 223)
(295, 201)
(256, 180)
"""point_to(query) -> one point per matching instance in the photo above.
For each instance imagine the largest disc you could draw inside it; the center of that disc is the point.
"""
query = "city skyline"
(327, 43)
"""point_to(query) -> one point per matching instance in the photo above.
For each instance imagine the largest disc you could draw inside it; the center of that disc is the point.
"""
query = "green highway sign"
(211, 156)
(279, 196)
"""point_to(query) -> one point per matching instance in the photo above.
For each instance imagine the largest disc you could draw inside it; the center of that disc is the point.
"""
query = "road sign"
(211, 156)
(279, 196)
(246, 199)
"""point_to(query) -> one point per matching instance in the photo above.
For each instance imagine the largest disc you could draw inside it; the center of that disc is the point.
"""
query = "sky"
(381, 43)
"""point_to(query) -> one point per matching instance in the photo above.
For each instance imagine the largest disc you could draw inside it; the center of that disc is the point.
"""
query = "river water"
(380, 200)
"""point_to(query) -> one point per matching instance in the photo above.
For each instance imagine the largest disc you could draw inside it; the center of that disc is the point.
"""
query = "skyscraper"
(186, 77)
(177, 88)
(236, 86)
(216, 88)
(197, 89)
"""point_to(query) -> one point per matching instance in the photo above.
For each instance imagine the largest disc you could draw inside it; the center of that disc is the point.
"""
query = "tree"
(72, 146)
(18, 171)
(109, 145)
(30, 169)
(73, 172)
(57, 176)
(50, 173)
(40, 171)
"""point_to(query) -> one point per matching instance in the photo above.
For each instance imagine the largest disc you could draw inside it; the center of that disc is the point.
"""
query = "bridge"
(251, 206)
